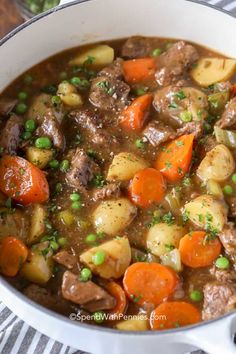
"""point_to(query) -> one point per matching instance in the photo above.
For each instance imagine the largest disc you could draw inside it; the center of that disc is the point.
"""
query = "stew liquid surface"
(118, 183)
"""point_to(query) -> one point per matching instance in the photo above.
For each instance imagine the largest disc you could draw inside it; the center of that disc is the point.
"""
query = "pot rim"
(61, 318)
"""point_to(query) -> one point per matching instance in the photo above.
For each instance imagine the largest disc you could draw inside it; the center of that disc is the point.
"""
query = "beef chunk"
(66, 259)
(106, 192)
(174, 61)
(219, 298)
(114, 70)
(87, 294)
(195, 128)
(157, 133)
(108, 93)
(173, 100)
(50, 127)
(136, 47)
(223, 275)
(10, 135)
(92, 122)
(223, 86)
(228, 239)
(228, 118)
(6, 106)
(231, 201)
(82, 170)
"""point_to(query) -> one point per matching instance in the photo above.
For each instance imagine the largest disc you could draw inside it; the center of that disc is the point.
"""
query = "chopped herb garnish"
(173, 105)
(168, 165)
(168, 218)
(180, 95)
(140, 144)
(99, 181)
(105, 86)
(169, 247)
(136, 298)
(89, 60)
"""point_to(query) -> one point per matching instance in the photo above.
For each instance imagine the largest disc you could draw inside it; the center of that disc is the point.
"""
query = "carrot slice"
(22, 181)
(13, 253)
(134, 116)
(174, 314)
(149, 282)
(121, 303)
(146, 187)
(175, 159)
(138, 70)
(197, 251)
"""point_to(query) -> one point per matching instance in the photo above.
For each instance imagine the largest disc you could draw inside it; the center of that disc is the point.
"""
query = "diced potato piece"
(39, 106)
(66, 217)
(138, 323)
(226, 137)
(218, 101)
(162, 237)
(37, 268)
(206, 211)
(218, 164)
(113, 216)
(39, 157)
(124, 166)
(102, 55)
(213, 188)
(37, 223)
(69, 95)
(212, 70)
(117, 258)
(173, 260)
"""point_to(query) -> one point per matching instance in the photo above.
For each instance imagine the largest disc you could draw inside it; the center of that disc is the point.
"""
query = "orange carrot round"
(121, 302)
(149, 282)
(174, 314)
(22, 181)
(13, 253)
(175, 159)
(197, 250)
(134, 116)
(139, 70)
(147, 186)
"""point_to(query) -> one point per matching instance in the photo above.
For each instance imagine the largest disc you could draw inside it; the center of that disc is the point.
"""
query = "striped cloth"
(16, 337)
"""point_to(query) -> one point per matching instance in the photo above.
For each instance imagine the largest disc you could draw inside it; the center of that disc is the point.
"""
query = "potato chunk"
(101, 55)
(113, 216)
(124, 166)
(37, 268)
(137, 323)
(173, 260)
(37, 223)
(69, 95)
(218, 164)
(209, 71)
(205, 211)
(117, 258)
(161, 238)
(39, 157)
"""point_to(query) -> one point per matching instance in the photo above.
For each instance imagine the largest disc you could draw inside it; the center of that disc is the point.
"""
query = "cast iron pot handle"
(216, 337)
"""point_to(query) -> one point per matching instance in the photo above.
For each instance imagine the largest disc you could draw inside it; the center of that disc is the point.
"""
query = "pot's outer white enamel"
(83, 22)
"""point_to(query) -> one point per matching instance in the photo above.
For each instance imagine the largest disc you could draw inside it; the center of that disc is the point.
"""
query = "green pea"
(76, 205)
(98, 316)
(54, 245)
(156, 52)
(75, 81)
(62, 241)
(26, 135)
(91, 238)
(75, 197)
(21, 108)
(234, 177)
(139, 143)
(186, 116)
(43, 143)
(64, 165)
(56, 100)
(196, 295)
(99, 257)
(54, 164)
(85, 274)
(28, 79)
(30, 125)
(222, 263)
(140, 92)
(228, 190)
(22, 95)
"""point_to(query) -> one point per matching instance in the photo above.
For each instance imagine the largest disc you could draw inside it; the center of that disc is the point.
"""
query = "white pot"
(82, 22)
